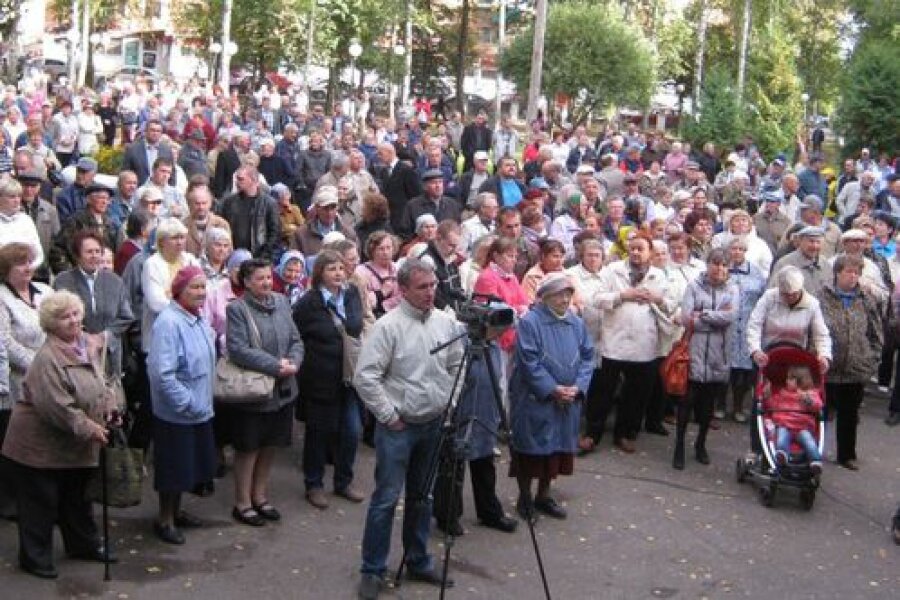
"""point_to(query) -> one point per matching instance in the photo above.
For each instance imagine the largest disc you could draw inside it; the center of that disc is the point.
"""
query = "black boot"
(678, 459)
(700, 446)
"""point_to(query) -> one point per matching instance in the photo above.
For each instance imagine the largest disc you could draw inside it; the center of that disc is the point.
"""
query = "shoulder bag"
(676, 367)
(237, 385)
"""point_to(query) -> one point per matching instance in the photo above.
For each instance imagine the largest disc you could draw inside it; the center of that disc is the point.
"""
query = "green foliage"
(590, 54)
(9, 14)
(719, 118)
(109, 158)
(869, 114)
(676, 44)
(816, 27)
(774, 109)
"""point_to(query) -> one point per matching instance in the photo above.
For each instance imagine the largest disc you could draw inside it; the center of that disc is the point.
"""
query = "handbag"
(124, 473)
(352, 347)
(237, 385)
(676, 367)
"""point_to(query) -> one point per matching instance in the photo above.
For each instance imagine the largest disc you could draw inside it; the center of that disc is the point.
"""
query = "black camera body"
(482, 313)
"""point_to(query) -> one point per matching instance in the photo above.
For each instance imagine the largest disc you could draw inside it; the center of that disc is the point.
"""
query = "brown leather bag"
(676, 367)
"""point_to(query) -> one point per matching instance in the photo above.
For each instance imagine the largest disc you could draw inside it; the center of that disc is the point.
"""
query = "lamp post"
(399, 52)
(215, 49)
(355, 51)
(680, 90)
(501, 40)
(805, 97)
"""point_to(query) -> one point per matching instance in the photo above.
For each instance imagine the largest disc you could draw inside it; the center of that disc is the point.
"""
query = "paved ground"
(637, 529)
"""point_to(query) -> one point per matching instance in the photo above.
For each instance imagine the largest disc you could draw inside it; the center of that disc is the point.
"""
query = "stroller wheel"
(740, 471)
(807, 499)
(766, 496)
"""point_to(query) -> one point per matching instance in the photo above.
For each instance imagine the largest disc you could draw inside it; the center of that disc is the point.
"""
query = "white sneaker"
(884, 389)
(719, 414)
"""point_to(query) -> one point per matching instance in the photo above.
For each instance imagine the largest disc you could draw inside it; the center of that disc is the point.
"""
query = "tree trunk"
(537, 58)
(461, 57)
(701, 50)
(742, 58)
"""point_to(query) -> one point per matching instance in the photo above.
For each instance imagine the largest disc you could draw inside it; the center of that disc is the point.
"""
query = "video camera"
(482, 312)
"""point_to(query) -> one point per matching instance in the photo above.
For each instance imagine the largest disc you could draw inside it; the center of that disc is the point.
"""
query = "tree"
(869, 113)
(775, 109)
(590, 54)
(719, 118)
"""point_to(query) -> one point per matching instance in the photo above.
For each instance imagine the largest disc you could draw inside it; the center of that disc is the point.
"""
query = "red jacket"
(807, 403)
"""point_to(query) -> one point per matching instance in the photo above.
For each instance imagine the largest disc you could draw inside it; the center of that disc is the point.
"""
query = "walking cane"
(105, 509)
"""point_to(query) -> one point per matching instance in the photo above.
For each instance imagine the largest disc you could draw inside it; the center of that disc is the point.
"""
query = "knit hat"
(237, 258)
(423, 220)
(184, 277)
(553, 283)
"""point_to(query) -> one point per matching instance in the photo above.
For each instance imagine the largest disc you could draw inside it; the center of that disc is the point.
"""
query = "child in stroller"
(791, 416)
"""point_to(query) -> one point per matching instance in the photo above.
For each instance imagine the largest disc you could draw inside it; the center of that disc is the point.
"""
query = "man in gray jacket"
(406, 389)
(807, 257)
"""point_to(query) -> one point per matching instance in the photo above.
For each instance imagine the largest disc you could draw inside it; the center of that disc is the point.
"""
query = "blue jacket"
(181, 365)
(751, 284)
(549, 352)
(478, 401)
(70, 200)
(812, 182)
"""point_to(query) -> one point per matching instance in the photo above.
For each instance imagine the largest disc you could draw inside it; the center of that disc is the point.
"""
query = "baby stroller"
(760, 466)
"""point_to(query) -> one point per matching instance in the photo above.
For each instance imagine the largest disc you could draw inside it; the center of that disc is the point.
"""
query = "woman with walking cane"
(55, 434)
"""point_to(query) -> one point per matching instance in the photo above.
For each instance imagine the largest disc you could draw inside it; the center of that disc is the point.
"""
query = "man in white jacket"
(406, 389)
(631, 293)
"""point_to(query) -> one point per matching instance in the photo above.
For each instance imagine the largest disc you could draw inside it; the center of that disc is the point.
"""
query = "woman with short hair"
(380, 272)
(160, 269)
(709, 308)
(331, 311)
(257, 429)
(56, 431)
(855, 322)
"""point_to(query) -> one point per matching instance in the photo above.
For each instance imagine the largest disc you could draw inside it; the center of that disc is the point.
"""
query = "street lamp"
(399, 52)
(355, 51)
(805, 97)
(215, 49)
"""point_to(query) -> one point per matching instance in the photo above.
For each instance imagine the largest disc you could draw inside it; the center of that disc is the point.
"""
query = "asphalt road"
(636, 529)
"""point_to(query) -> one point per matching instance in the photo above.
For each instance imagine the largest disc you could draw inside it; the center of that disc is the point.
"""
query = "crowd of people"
(322, 256)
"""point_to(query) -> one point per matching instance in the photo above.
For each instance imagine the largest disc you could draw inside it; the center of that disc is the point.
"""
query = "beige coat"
(50, 427)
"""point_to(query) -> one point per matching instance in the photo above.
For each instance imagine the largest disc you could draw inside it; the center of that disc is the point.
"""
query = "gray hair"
(410, 266)
(739, 239)
(481, 198)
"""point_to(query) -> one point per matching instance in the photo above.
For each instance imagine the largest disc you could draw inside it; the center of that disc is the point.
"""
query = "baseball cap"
(480, 155)
(86, 164)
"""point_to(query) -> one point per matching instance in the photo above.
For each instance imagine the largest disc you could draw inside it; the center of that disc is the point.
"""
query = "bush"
(109, 159)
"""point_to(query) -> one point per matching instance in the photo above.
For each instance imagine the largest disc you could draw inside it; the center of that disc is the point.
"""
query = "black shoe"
(267, 511)
(701, 455)
(42, 572)
(892, 419)
(168, 534)
(678, 458)
(657, 429)
(186, 520)
(370, 586)
(430, 577)
(453, 528)
(525, 508)
(504, 523)
(97, 554)
(550, 507)
(248, 516)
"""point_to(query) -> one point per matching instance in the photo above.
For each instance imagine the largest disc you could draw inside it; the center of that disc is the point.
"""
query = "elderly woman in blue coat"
(751, 284)
(554, 361)
(180, 366)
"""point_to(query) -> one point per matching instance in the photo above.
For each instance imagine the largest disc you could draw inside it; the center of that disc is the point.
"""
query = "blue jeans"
(401, 457)
(316, 444)
(783, 439)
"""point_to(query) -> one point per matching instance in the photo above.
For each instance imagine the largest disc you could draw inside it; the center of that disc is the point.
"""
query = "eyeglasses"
(154, 202)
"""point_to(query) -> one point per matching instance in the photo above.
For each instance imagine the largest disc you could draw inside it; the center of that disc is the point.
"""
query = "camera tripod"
(454, 447)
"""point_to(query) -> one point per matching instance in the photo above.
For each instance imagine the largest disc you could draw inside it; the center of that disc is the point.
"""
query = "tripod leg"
(426, 489)
(104, 484)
